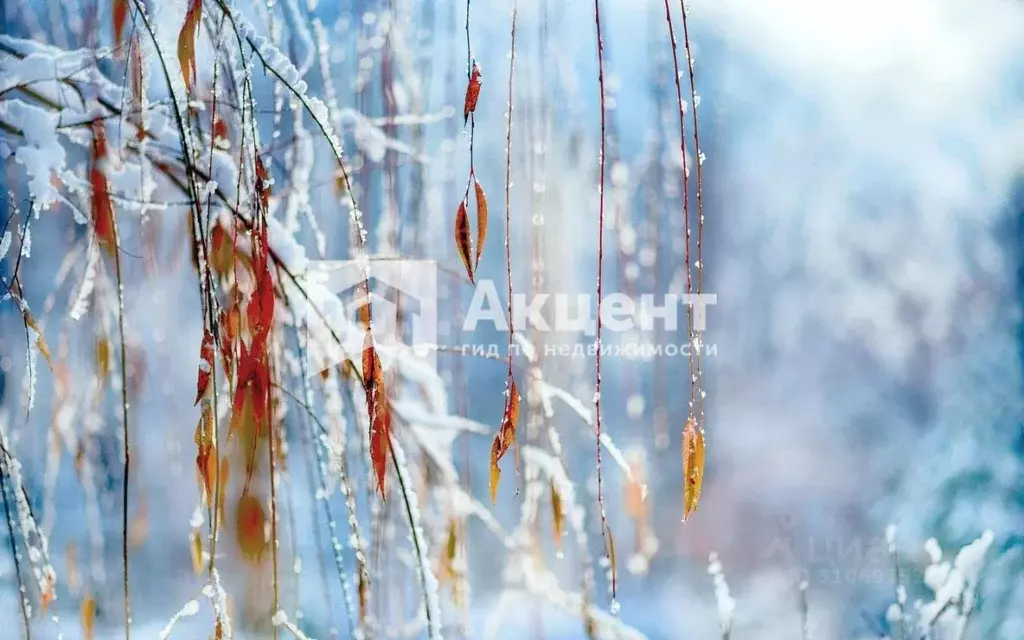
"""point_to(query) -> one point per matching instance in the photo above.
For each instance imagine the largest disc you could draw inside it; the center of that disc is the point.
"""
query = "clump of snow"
(42, 155)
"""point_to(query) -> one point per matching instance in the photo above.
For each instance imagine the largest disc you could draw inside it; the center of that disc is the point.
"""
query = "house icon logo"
(403, 298)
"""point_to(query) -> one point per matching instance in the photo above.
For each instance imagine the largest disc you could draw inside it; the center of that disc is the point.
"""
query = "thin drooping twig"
(600, 288)
(14, 546)
(422, 568)
(271, 452)
(472, 114)
(686, 204)
(124, 427)
(213, 316)
(698, 343)
(508, 207)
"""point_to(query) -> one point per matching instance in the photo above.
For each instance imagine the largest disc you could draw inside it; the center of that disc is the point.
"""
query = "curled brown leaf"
(481, 221)
(506, 435)
(472, 92)
(462, 240)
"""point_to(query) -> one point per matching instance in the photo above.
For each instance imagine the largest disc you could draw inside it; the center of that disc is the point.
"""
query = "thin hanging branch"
(508, 212)
(686, 203)
(22, 596)
(125, 432)
(608, 544)
(695, 102)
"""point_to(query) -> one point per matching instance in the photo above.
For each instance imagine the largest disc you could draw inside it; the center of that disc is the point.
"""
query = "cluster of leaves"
(199, 153)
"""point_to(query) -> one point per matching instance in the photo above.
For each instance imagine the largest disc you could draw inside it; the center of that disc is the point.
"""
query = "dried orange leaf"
(40, 341)
(225, 471)
(481, 221)
(365, 308)
(47, 593)
(613, 565)
(495, 469)
(364, 594)
(187, 43)
(472, 92)
(196, 548)
(693, 466)
(88, 615)
(506, 435)
(250, 522)
(205, 365)
(102, 357)
(378, 410)
(558, 517)
(462, 238)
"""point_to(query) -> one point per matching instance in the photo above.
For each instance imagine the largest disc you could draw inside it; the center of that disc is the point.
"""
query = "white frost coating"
(280, 619)
(540, 582)
(214, 591)
(35, 540)
(429, 580)
(954, 586)
(81, 303)
(725, 602)
(548, 391)
(5, 244)
(299, 158)
(190, 609)
(42, 154)
(300, 32)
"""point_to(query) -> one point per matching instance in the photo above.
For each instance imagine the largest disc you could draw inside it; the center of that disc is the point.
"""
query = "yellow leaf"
(558, 517)
(40, 340)
(196, 547)
(495, 471)
(103, 357)
(693, 466)
(187, 43)
(88, 617)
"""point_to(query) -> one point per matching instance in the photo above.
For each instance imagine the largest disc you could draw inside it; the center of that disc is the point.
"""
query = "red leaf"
(205, 365)
(220, 132)
(472, 92)
(378, 409)
(120, 13)
(102, 208)
(462, 238)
